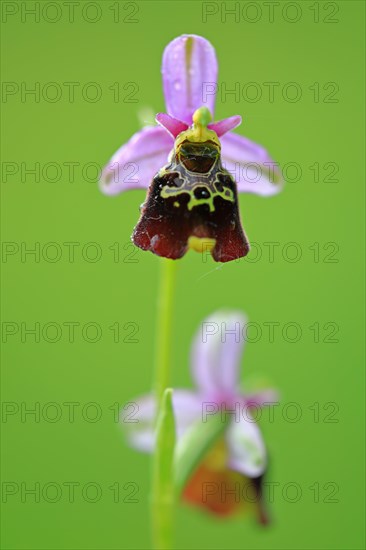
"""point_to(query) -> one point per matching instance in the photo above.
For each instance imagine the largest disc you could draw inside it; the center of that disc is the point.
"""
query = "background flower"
(239, 455)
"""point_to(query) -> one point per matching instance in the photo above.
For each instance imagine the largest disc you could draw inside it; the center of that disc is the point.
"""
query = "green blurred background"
(325, 45)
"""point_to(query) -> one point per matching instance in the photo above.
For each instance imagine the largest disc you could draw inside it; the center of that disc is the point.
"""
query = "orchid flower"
(192, 200)
(238, 457)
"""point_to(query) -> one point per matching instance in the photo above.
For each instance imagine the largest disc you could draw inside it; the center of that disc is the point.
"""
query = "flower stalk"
(162, 501)
(164, 326)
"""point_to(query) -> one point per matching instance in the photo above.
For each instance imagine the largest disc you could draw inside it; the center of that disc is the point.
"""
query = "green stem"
(162, 501)
(164, 326)
(163, 492)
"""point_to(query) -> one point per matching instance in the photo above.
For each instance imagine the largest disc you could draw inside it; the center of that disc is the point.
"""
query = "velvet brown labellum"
(193, 198)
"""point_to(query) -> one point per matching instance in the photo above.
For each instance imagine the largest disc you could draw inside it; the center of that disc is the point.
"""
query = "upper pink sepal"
(171, 124)
(189, 71)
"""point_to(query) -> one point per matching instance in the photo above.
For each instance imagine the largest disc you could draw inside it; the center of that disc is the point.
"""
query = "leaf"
(194, 445)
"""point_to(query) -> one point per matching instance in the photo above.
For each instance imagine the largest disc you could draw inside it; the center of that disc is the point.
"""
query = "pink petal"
(251, 166)
(189, 72)
(135, 164)
(247, 452)
(173, 125)
(217, 352)
(221, 127)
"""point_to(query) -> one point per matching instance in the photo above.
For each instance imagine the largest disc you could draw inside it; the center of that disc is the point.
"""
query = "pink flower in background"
(239, 456)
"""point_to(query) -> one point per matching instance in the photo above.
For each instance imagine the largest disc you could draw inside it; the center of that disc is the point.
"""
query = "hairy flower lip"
(201, 204)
